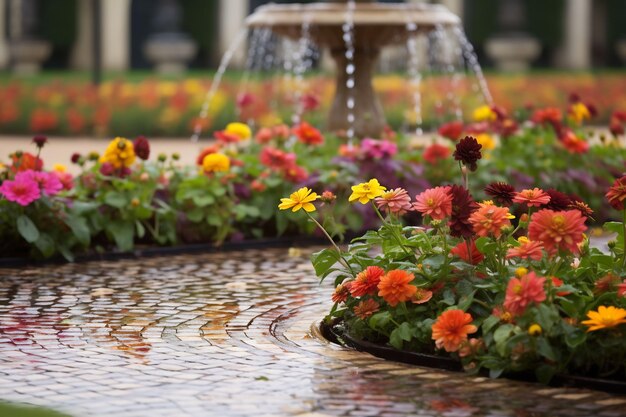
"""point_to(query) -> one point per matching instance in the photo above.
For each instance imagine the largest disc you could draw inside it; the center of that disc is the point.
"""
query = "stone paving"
(222, 334)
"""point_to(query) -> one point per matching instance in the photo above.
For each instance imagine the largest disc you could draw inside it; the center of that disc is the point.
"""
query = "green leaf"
(545, 349)
(115, 199)
(27, 229)
(399, 334)
(575, 338)
(196, 215)
(323, 261)
(502, 333)
(46, 245)
(79, 228)
(203, 200)
(544, 373)
(495, 373)
(380, 320)
(489, 322)
(122, 233)
(141, 230)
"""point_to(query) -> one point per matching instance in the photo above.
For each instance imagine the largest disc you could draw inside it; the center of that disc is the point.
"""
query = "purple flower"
(22, 190)
(378, 149)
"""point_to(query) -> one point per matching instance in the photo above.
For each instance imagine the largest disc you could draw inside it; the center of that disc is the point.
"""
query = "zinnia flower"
(120, 153)
(340, 295)
(532, 198)
(215, 162)
(142, 147)
(462, 207)
(581, 206)
(468, 152)
(23, 191)
(468, 252)
(434, 202)
(366, 281)
(484, 113)
(526, 250)
(605, 318)
(549, 115)
(578, 112)
(558, 200)
(396, 201)
(239, 130)
(394, 287)
(501, 192)
(378, 149)
(366, 191)
(451, 130)
(621, 289)
(302, 198)
(617, 193)
(422, 296)
(308, 134)
(276, 159)
(524, 291)
(573, 143)
(557, 229)
(366, 308)
(451, 329)
(49, 183)
(489, 220)
(22, 161)
(206, 151)
(435, 152)
(40, 141)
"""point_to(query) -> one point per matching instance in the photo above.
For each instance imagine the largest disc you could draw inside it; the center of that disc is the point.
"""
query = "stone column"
(115, 34)
(455, 6)
(576, 49)
(81, 58)
(232, 15)
(4, 51)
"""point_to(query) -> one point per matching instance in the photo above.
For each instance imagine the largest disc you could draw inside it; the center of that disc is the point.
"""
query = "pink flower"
(22, 190)
(378, 149)
(396, 201)
(520, 293)
(526, 250)
(49, 183)
(557, 230)
(434, 202)
(532, 198)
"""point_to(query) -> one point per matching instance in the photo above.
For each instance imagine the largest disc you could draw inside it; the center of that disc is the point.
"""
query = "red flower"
(526, 250)
(366, 308)
(501, 192)
(617, 193)
(366, 282)
(142, 147)
(276, 159)
(435, 153)
(308, 134)
(468, 152)
(522, 292)
(206, 151)
(468, 252)
(340, 295)
(573, 143)
(532, 198)
(462, 207)
(451, 130)
(550, 115)
(42, 120)
(557, 230)
(23, 161)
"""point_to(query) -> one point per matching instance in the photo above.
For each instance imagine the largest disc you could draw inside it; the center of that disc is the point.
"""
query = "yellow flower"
(604, 318)
(487, 141)
(484, 113)
(119, 153)
(302, 198)
(241, 130)
(520, 272)
(59, 168)
(579, 112)
(366, 191)
(216, 162)
(535, 330)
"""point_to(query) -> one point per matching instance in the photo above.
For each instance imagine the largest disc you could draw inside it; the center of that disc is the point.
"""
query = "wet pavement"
(222, 334)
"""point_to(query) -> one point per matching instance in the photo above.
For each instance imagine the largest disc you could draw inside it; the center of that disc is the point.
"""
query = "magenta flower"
(378, 149)
(22, 190)
(48, 182)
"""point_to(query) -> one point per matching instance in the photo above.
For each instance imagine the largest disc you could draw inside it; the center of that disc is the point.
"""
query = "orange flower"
(308, 134)
(557, 229)
(434, 202)
(394, 287)
(573, 143)
(422, 296)
(366, 281)
(534, 197)
(522, 292)
(526, 250)
(436, 152)
(490, 219)
(340, 295)
(366, 308)
(451, 329)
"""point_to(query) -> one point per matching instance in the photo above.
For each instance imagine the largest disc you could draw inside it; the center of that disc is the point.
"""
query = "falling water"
(348, 39)
(415, 75)
(258, 52)
(303, 61)
(472, 61)
(226, 58)
(447, 51)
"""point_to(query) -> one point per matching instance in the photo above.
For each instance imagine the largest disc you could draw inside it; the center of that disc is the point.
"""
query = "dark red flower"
(501, 192)
(142, 147)
(468, 152)
(75, 157)
(558, 201)
(40, 141)
(462, 207)
(617, 193)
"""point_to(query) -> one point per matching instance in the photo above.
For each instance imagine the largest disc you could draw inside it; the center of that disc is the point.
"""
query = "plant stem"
(339, 252)
(393, 231)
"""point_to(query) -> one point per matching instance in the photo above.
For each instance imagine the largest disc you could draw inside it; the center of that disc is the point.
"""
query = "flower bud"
(142, 147)
(162, 157)
(175, 156)
(135, 202)
(40, 141)
(75, 157)
(535, 330)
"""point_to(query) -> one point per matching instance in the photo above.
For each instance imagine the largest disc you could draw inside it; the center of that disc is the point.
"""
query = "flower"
(487, 141)
(607, 283)
(550, 115)
(422, 296)
(617, 193)
(366, 191)
(366, 281)
(558, 200)
(501, 192)
(484, 113)
(204, 152)
(578, 112)
(120, 153)
(215, 162)
(142, 147)
(340, 295)
(573, 143)
(557, 230)
(526, 250)
(451, 329)
(435, 153)
(22, 161)
(489, 219)
(22, 190)
(605, 318)
(521, 292)
(276, 159)
(451, 130)
(434, 202)
(532, 198)
(239, 130)
(462, 207)
(49, 183)
(366, 308)
(534, 330)
(394, 287)
(308, 134)
(328, 196)
(621, 289)
(468, 152)
(468, 252)
(581, 206)
(302, 198)
(75, 158)
(107, 169)
(378, 149)
(40, 141)
(396, 201)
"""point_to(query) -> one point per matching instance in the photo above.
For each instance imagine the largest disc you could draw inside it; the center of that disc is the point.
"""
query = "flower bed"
(496, 292)
(125, 197)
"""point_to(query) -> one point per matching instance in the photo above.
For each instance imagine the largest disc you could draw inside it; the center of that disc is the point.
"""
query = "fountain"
(354, 32)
